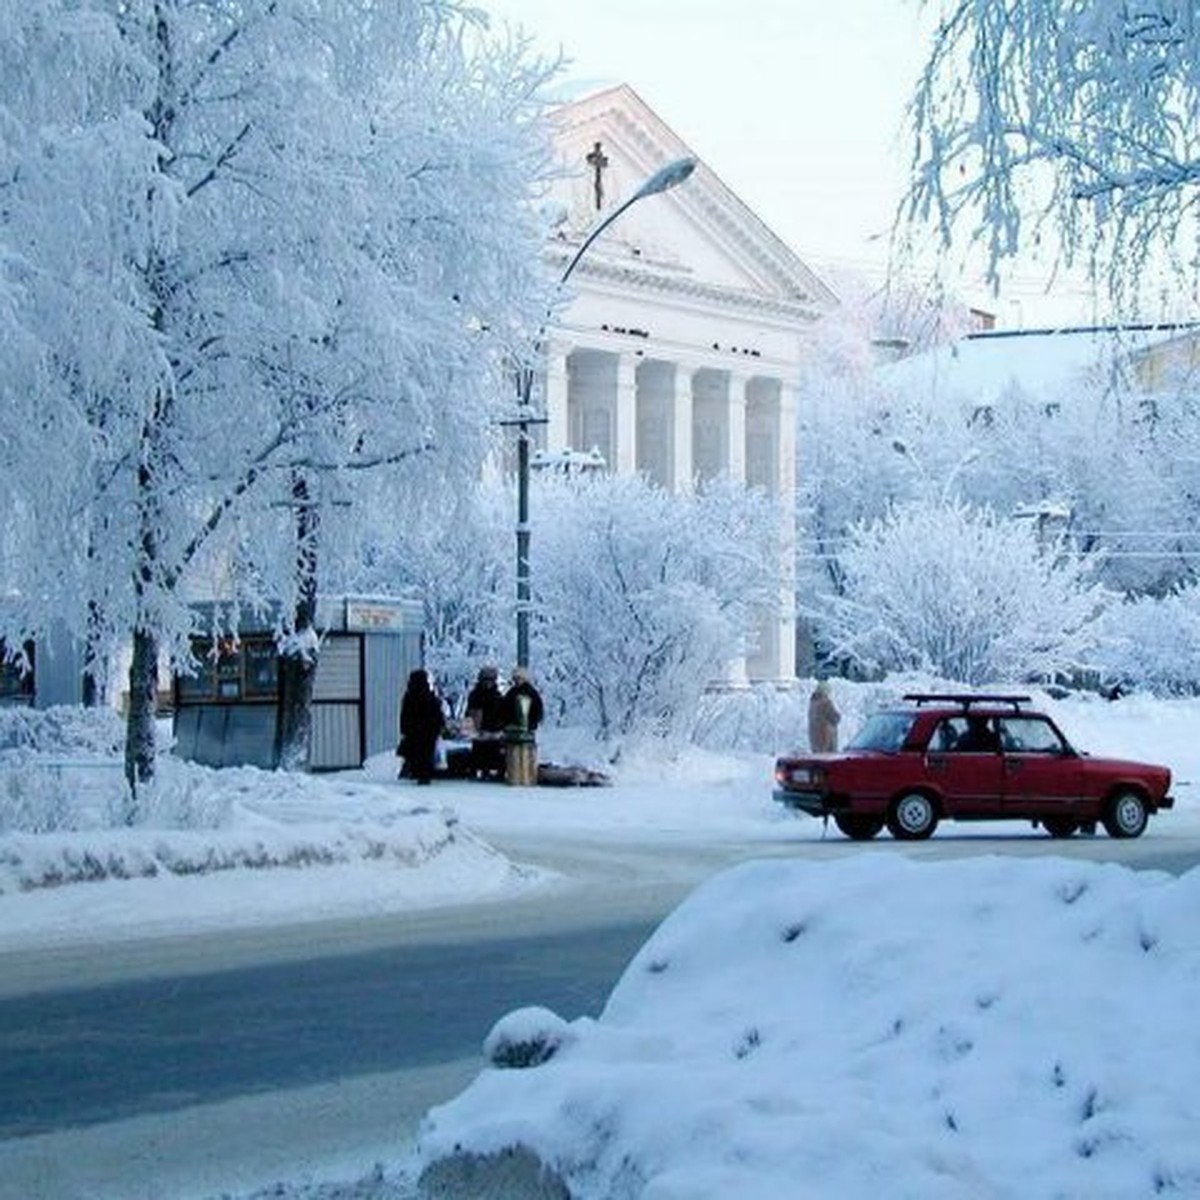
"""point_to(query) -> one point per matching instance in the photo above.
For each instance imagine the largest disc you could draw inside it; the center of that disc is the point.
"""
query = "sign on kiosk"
(376, 616)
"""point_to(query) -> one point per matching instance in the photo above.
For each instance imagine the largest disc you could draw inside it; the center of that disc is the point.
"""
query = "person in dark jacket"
(522, 703)
(421, 724)
(485, 710)
(485, 702)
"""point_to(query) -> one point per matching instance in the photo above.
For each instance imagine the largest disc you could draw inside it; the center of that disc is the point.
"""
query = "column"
(558, 437)
(786, 442)
(682, 468)
(735, 427)
(735, 465)
(786, 474)
(625, 416)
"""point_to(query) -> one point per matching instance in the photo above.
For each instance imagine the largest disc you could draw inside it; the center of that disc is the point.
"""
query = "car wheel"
(859, 826)
(1126, 815)
(1060, 827)
(912, 817)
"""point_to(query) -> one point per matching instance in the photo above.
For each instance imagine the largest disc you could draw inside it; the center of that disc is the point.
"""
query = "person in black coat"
(485, 702)
(421, 724)
(485, 708)
(522, 703)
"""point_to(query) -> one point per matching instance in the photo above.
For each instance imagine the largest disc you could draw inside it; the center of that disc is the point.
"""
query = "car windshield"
(883, 731)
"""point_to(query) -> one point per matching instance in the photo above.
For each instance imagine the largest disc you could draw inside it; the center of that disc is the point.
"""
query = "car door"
(1043, 776)
(970, 777)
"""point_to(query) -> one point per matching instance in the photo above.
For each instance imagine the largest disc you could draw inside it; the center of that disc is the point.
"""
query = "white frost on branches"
(1080, 117)
(245, 248)
(941, 587)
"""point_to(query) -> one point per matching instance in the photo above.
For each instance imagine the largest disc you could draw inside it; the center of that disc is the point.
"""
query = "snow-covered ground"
(861, 1026)
(870, 1027)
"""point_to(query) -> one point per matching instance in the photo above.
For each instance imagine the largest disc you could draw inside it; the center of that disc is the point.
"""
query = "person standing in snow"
(485, 710)
(421, 723)
(522, 704)
(485, 702)
(823, 718)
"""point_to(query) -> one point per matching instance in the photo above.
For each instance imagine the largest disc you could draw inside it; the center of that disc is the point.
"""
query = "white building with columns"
(678, 351)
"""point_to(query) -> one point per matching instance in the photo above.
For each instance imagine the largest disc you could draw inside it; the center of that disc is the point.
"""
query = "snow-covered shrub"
(525, 1038)
(184, 796)
(942, 587)
(62, 730)
(761, 718)
(766, 719)
(59, 768)
(62, 769)
(642, 597)
(1152, 643)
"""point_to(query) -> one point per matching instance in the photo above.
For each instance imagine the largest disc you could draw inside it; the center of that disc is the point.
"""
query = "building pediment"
(699, 238)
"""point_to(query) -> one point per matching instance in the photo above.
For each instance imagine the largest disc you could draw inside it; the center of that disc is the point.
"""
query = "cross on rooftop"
(598, 160)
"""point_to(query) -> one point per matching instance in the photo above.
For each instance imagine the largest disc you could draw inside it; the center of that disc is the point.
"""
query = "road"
(85, 1055)
(188, 1043)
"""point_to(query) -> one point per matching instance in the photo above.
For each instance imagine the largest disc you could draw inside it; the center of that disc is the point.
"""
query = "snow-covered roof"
(983, 366)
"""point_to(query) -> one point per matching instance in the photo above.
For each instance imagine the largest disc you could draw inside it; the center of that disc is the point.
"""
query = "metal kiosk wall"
(225, 714)
(52, 674)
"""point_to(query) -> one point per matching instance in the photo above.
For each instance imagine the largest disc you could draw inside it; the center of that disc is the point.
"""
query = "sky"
(934, 1005)
(798, 105)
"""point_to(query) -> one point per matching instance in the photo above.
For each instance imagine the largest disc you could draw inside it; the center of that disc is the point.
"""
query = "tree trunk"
(298, 656)
(293, 730)
(94, 672)
(139, 721)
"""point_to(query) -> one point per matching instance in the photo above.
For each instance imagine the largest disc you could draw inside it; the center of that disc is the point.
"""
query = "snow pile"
(56, 827)
(51, 860)
(871, 1027)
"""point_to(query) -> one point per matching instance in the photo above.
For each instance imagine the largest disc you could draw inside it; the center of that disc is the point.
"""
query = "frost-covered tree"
(457, 558)
(862, 446)
(1078, 117)
(1113, 466)
(1153, 642)
(643, 597)
(257, 248)
(941, 587)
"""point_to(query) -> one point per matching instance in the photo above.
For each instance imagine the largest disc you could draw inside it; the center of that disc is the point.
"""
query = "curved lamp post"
(665, 178)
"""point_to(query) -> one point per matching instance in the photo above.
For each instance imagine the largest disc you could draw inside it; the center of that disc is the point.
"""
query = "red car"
(969, 758)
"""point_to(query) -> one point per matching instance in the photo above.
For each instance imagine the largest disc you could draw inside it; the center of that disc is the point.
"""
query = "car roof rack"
(965, 699)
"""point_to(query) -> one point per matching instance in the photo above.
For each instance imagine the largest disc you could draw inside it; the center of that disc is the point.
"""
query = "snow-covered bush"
(642, 597)
(1153, 643)
(62, 730)
(525, 1038)
(61, 770)
(767, 719)
(939, 586)
(55, 768)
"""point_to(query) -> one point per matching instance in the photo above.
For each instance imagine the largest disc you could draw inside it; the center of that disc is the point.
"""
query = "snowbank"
(865, 1027)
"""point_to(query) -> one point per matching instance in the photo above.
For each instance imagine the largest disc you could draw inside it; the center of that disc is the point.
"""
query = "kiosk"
(226, 713)
(52, 673)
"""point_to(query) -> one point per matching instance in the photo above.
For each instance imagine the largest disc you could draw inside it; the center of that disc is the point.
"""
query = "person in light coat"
(823, 718)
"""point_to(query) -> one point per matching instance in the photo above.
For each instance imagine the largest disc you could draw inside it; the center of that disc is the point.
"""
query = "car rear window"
(883, 731)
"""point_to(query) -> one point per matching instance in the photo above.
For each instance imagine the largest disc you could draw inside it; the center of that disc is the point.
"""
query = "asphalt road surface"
(83, 1055)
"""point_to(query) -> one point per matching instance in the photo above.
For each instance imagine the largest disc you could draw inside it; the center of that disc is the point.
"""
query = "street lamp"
(665, 178)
